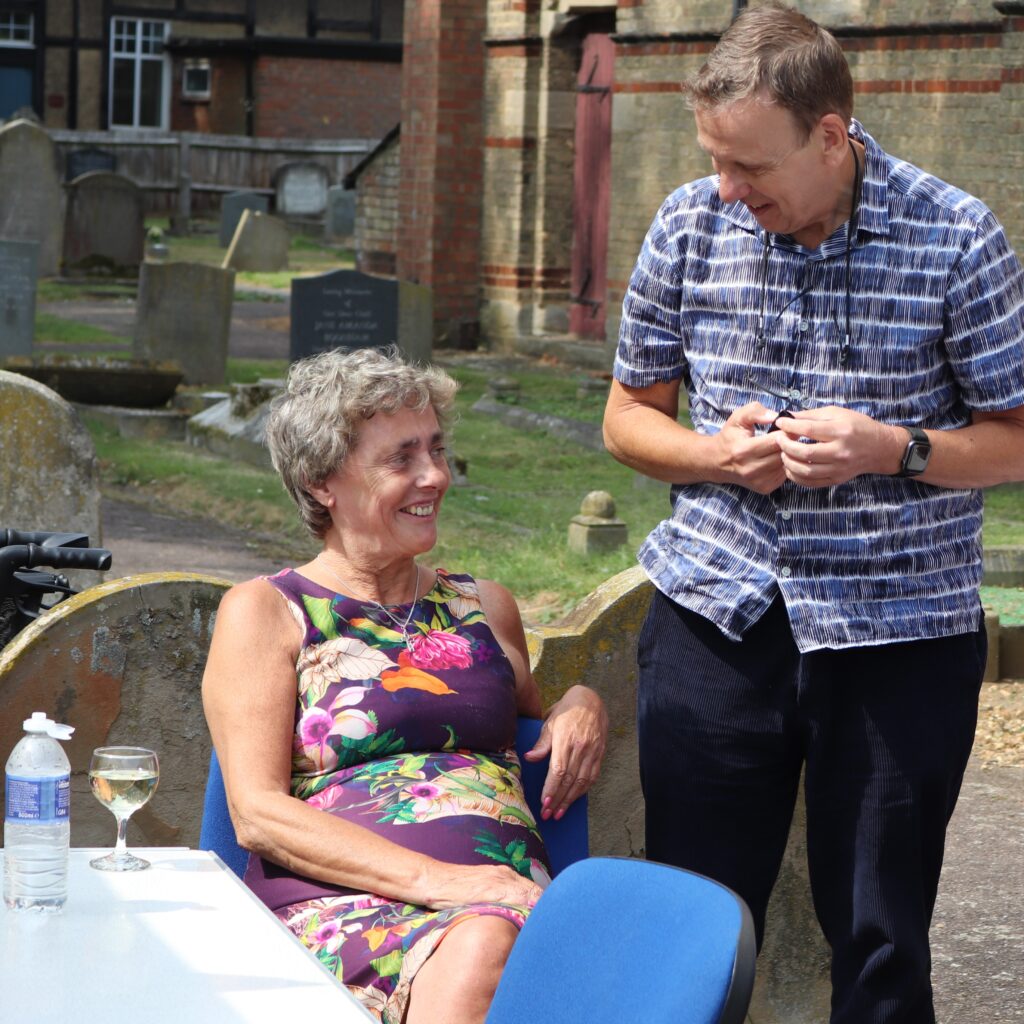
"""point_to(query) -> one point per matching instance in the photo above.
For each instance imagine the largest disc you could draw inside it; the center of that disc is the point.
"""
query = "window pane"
(15, 28)
(121, 111)
(151, 101)
(124, 35)
(153, 37)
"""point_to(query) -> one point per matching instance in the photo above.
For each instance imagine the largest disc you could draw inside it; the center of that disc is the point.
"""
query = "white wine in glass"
(122, 779)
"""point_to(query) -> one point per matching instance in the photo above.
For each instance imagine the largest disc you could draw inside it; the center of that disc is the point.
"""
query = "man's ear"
(834, 137)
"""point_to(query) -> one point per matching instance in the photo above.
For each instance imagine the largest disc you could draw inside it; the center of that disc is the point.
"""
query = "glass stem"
(121, 849)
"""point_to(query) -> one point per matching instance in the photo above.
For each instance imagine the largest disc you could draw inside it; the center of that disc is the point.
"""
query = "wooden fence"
(186, 174)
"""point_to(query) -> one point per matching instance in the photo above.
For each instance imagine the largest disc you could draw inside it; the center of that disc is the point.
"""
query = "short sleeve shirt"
(937, 330)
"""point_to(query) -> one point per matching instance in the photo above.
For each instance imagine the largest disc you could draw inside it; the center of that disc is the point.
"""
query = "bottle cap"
(40, 723)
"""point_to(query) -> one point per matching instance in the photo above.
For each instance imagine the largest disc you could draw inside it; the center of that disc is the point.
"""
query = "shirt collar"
(873, 213)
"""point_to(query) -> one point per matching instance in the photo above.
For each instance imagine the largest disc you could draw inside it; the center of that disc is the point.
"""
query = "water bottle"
(37, 820)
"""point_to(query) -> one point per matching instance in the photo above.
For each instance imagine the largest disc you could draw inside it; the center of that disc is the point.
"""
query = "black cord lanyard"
(851, 231)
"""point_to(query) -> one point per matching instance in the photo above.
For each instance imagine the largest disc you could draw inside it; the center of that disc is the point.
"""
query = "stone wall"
(938, 82)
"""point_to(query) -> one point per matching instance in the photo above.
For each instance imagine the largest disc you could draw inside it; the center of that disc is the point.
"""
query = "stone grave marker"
(183, 315)
(82, 161)
(231, 209)
(18, 276)
(349, 310)
(260, 243)
(301, 190)
(49, 477)
(341, 211)
(103, 227)
(30, 192)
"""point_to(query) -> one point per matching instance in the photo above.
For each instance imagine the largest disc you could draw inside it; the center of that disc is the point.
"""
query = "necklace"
(399, 624)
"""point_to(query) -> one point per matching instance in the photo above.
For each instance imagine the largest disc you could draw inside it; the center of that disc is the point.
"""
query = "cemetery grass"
(510, 523)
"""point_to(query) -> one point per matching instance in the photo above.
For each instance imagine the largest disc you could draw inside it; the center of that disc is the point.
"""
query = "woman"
(363, 707)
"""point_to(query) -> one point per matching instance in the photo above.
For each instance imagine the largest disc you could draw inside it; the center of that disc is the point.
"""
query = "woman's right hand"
(456, 885)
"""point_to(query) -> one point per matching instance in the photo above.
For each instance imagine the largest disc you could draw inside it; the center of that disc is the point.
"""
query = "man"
(850, 334)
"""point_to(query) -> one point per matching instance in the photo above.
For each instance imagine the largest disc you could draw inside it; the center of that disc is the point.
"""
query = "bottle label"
(44, 801)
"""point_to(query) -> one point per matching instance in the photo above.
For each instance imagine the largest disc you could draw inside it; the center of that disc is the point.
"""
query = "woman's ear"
(323, 494)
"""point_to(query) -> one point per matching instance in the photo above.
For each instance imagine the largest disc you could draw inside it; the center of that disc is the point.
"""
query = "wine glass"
(122, 779)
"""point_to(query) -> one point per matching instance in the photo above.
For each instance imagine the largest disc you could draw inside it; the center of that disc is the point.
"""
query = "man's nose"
(732, 187)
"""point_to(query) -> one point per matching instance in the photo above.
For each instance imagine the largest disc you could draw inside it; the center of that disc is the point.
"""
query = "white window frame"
(138, 55)
(11, 21)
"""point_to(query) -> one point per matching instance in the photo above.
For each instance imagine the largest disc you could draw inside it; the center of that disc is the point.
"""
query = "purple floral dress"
(415, 742)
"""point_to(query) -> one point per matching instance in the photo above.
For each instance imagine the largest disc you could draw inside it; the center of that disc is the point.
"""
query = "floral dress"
(414, 741)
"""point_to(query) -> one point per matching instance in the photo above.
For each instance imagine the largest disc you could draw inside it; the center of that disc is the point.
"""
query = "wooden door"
(592, 187)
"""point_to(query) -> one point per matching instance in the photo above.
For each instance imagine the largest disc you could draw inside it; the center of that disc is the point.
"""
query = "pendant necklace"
(402, 627)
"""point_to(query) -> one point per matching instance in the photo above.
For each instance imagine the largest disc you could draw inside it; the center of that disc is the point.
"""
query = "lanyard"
(851, 230)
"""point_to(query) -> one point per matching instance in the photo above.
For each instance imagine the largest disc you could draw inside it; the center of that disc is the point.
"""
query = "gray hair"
(314, 423)
(775, 51)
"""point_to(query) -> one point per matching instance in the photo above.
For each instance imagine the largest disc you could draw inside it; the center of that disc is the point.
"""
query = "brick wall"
(938, 82)
(303, 98)
(441, 161)
(377, 210)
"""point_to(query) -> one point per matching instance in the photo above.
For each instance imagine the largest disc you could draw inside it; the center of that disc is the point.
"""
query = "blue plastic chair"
(620, 940)
(566, 840)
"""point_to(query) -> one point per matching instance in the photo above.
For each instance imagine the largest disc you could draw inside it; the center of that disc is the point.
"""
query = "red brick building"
(326, 69)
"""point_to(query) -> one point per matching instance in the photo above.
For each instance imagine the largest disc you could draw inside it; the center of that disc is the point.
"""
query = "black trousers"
(884, 733)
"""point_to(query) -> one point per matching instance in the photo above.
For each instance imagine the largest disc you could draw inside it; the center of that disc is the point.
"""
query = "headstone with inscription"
(231, 208)
(341, 211)
(103, 228)
(82, 161)
(192, 333)
(30, 193)
(301, 190)
(347, 309)
(260, 243)
(18, 277)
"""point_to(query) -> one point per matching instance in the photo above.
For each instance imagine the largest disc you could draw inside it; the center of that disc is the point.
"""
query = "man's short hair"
(775, 52)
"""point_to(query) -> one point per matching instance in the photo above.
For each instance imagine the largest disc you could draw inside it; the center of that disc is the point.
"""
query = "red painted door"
(592, 187)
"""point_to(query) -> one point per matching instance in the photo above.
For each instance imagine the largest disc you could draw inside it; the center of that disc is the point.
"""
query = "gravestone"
(260, 243)
(30, 192)
(103, 227)
(18, 277)
(49, 477)
(341, 211)
(123, 662)
(82, 161)
(192, 333)
(301, 190)
(231, 209)
(348, 309)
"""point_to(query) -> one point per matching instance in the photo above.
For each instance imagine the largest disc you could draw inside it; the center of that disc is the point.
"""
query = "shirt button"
(786, 572)
(795, 394)
(786, 514)
(804, 326)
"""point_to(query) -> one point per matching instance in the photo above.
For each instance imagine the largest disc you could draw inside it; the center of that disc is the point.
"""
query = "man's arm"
(641, 431)
(990, 450)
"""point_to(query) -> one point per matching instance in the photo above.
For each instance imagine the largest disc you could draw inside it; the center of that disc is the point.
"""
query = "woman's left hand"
(574, 734)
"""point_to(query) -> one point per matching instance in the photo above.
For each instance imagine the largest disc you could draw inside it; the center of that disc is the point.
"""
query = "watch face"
(916, 459)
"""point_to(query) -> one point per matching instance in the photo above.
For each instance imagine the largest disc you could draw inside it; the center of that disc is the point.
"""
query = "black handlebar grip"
(68, 558)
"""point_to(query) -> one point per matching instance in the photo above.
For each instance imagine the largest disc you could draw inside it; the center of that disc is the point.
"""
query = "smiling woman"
(364, 706)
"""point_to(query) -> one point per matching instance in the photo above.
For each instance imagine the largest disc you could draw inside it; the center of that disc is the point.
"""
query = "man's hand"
(744, 456)
(848, 444)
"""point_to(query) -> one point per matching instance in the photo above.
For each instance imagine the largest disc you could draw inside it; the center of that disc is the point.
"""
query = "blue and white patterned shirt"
(937, 312)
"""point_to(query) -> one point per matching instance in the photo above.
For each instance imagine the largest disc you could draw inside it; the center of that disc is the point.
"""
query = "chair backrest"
(613, 939)
(566, 839)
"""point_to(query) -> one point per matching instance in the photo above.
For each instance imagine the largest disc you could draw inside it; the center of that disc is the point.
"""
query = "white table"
(184, 941)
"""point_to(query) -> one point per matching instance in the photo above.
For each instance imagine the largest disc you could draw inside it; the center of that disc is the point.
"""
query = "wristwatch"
(919, 451)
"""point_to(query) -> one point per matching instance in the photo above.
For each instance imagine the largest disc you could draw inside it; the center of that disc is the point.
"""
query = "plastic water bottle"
(37, 820)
